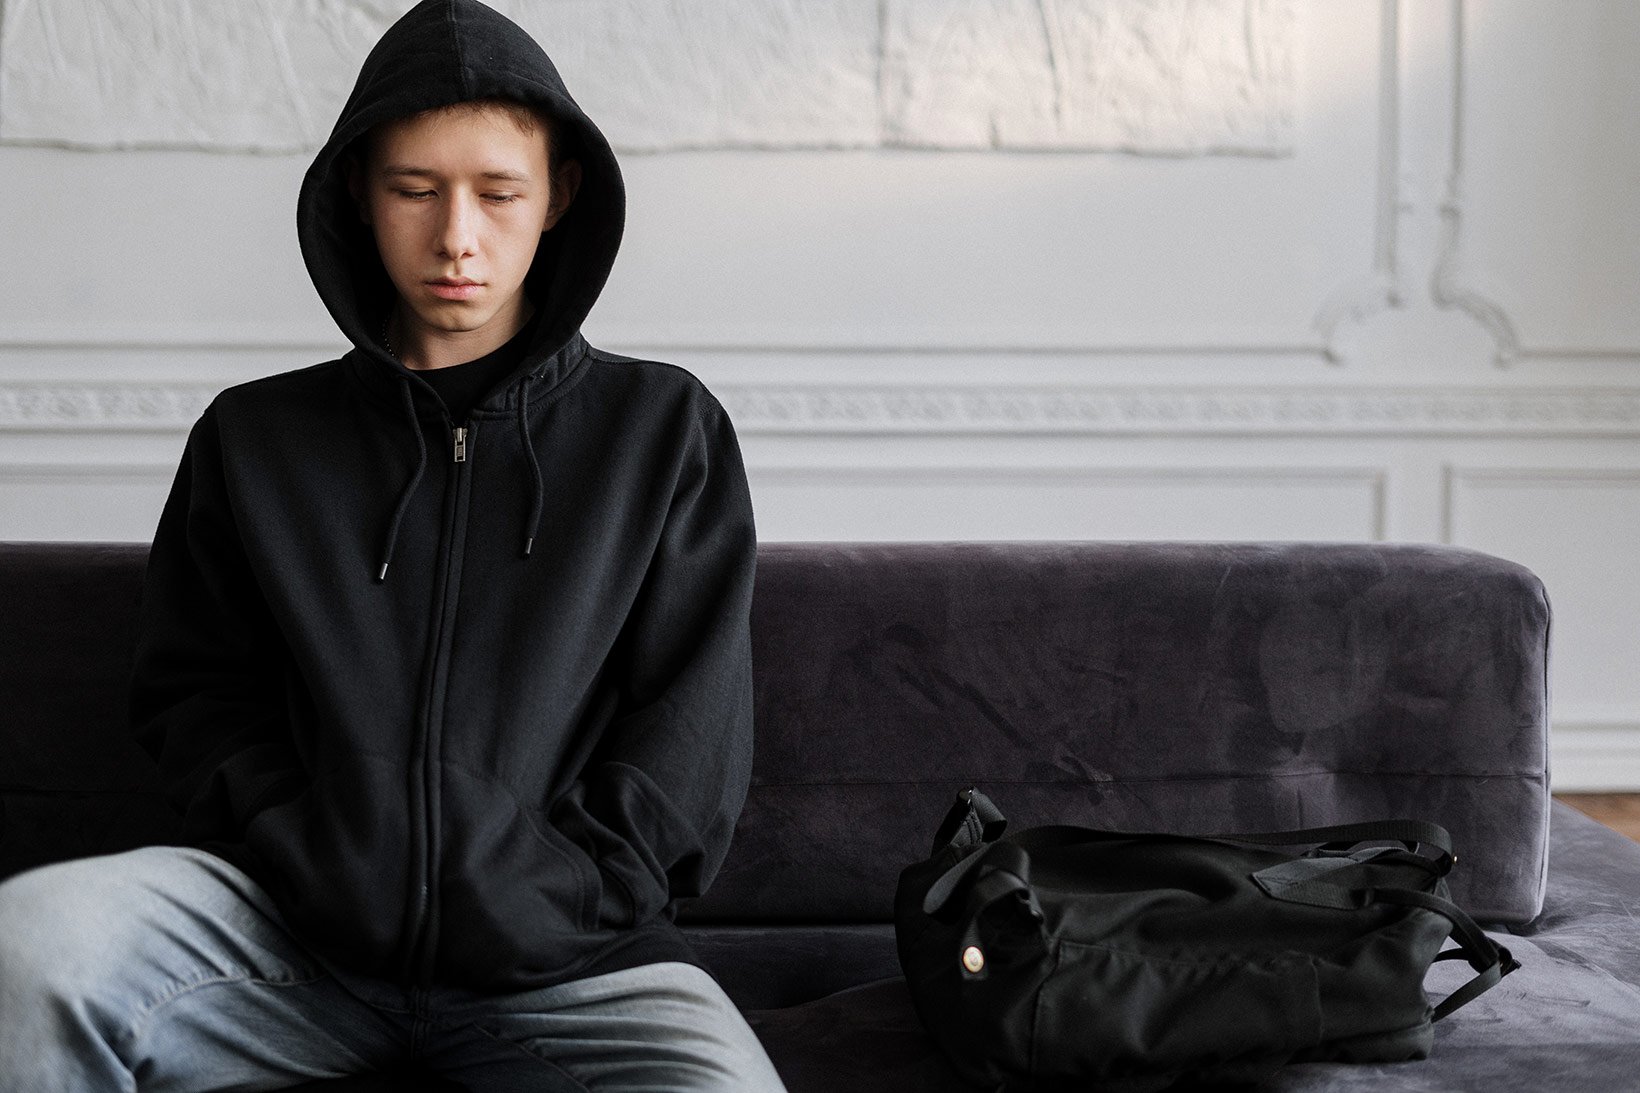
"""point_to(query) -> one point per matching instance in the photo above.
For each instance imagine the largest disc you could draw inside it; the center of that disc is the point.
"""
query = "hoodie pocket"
(574, 861)
(615, 906)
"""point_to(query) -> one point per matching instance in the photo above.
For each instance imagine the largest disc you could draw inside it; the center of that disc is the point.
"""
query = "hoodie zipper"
(426, 788)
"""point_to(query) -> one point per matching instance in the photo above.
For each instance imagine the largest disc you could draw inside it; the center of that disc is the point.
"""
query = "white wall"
(1390, 294)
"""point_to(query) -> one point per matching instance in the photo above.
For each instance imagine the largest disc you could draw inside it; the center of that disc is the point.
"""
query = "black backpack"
(1069, 958)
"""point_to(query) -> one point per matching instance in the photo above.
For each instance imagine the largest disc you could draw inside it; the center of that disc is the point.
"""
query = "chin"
(457, 321)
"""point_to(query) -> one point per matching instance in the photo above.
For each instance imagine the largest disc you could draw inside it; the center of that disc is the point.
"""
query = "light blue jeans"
(168, 969)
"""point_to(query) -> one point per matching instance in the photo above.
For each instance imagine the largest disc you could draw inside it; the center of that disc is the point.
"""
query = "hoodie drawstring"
(534, 519)
(415, 479)
(535, 468)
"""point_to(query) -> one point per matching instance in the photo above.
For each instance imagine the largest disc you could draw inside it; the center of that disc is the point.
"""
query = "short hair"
(527, 116)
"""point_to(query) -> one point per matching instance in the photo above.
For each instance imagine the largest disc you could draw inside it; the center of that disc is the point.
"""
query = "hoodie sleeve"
(205, 700)
(658, 802)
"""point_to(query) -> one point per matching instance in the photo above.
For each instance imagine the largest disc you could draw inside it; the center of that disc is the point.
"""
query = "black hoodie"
(499, 760)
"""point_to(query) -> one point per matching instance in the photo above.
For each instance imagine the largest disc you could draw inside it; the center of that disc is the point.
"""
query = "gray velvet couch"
(1187, 687)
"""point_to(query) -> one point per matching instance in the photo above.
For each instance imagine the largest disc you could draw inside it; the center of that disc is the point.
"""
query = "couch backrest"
(1187, 687)
(1190, 687)
(72, 781)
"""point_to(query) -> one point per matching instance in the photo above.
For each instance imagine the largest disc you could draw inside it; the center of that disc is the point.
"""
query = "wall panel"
(1362, 269)
(958, 502)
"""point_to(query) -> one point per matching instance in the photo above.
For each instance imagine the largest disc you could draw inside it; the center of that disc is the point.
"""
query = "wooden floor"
(1618, 811)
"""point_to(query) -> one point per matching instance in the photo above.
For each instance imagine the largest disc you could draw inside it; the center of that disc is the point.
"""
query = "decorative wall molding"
(1518, 475)
(1380, 287)
(1455, 478)
(1448, 285)
(102, 406)
(908, 409)
(1173, 411)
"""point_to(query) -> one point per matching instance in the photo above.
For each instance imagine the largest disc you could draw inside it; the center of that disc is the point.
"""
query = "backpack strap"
(1410, 833)
(1004, 873)
(1489, 959)
(1334, 886)
(974, 821)
(971, 820)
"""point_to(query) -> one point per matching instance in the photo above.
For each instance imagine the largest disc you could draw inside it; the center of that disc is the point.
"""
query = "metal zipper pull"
(461, 443)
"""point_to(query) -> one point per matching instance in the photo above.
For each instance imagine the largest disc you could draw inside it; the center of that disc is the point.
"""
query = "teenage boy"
(444, 654)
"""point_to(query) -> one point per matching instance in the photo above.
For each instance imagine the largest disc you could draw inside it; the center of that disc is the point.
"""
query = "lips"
(454, 288)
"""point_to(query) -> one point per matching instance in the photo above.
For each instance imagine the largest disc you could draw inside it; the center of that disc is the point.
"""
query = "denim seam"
(148, 1011)
(542, 1059)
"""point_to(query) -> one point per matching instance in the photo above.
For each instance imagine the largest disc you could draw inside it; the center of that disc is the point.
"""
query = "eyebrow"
(398, 170)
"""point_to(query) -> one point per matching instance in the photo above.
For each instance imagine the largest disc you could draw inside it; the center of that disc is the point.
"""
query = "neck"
(421, 347)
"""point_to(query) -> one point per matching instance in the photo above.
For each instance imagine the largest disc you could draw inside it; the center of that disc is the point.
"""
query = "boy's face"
(463, 196)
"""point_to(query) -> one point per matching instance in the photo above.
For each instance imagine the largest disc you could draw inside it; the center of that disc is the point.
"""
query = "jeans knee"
(43, 922)
(35, 915)
(67, 925)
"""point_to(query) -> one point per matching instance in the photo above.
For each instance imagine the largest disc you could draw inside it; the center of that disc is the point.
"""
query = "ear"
(566, 183)
(355, 183)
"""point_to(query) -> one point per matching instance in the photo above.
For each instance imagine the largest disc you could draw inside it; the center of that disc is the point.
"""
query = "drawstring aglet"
(527, 544)
(382, 576)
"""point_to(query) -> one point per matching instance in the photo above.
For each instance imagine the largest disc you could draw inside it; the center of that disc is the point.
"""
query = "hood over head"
(439, 53)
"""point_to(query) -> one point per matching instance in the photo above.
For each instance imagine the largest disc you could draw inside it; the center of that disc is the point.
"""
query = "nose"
(458, 232)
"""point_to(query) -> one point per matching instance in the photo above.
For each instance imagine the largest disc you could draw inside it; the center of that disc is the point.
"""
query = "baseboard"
(1594, 757)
